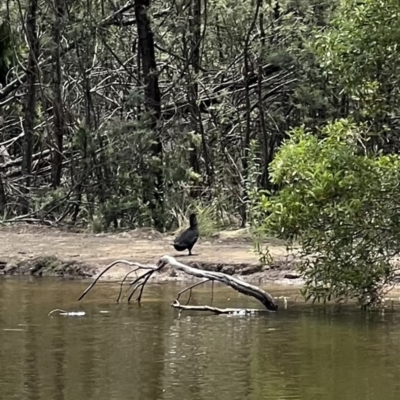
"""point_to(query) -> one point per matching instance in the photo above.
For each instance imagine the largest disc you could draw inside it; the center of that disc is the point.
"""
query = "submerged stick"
(190, 289)
(216, 310)
(56, 310)
(122, 283)
(212, 292)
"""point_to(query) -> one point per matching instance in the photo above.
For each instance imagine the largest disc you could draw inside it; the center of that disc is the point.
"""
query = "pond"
(121, 351)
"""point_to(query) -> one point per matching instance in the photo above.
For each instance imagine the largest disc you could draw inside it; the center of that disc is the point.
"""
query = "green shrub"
(342, 202)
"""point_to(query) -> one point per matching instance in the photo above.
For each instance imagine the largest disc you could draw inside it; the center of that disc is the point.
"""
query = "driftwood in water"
(216, 310)
(235, 283)
(139, 283)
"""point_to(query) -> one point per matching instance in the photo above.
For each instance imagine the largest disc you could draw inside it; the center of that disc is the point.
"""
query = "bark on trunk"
(152, 103)
(3, 198)
(195, 62)
(30, 99)
(58, 109)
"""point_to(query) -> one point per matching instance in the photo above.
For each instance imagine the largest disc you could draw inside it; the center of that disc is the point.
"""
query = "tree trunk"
(58, 110)
(3, 198)
(193, 58)
(195, 61)
(152, 104)
(6, 46)
(248, 72)
(30, 99)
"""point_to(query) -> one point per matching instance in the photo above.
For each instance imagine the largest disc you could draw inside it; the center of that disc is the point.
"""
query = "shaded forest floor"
(47, 251)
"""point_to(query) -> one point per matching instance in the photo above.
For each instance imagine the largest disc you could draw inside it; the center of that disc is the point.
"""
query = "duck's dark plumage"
(188, 238)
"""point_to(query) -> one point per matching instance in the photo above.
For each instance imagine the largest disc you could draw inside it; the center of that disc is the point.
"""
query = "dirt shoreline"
(47, 251)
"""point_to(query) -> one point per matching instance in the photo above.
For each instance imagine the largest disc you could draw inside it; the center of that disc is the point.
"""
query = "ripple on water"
(148, 353)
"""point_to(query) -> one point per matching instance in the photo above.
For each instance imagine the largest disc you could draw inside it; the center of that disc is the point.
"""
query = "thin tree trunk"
(248, 71)
(4, 158)
(194, 59)
(30, 99)
(3, 198)
(58, 109)
(84, 145)
(195, 26)
(152, 104)
(267, 148)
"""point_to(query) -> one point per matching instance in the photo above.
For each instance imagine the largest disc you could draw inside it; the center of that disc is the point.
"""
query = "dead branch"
(123, 281)
(233, 282)
(190, 289)
(141, 285)
(132, 264)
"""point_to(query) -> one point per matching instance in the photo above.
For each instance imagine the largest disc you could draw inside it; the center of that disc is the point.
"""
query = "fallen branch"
(215, 310)
(233, 282)
(123, 281)
(190, 290)
(133, 264)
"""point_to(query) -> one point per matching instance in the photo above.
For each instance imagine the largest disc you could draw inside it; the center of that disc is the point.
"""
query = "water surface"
(149, 353)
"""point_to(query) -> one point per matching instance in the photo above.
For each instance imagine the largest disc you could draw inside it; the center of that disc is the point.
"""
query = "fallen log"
(235, 283)
(207, 276)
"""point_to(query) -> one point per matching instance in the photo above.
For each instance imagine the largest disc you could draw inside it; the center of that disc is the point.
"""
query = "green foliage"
(360, 51)
(6, 51)
(251, 182)
(263, 251)
(255, 210)
(207, 218)
(341, 202)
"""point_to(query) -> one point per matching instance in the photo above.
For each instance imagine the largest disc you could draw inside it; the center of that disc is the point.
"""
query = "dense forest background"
(126, 114)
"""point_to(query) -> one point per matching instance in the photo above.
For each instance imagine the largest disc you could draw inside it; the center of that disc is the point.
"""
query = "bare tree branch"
(235, 283)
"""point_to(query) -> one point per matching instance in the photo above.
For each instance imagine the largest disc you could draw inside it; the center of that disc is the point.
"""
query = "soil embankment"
(45, 251)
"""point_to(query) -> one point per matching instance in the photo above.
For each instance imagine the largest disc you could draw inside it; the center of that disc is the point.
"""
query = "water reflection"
(149, 353)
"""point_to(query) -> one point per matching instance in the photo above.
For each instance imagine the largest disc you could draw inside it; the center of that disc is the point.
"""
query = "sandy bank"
(45, 251)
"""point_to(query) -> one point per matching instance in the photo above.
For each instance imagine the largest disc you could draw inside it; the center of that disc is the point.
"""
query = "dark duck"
(187, 239)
